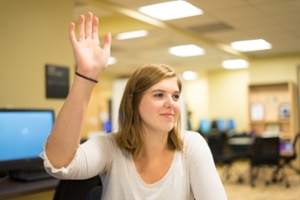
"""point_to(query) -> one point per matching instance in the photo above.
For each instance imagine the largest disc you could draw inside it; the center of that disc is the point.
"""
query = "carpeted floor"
(261, 191)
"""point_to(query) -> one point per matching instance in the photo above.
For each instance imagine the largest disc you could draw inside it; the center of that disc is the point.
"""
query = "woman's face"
(159, 107)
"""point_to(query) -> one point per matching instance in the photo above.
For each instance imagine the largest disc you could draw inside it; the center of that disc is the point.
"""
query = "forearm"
(65, 136)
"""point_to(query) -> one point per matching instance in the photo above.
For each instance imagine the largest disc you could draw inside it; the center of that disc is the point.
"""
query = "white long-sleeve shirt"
(192, 173)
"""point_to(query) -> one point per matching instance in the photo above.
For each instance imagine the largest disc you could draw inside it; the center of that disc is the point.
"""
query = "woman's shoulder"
(192, 140)
(189, 136)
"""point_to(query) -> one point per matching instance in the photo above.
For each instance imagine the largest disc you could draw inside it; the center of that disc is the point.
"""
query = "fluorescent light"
(235, 64)
(111, 60)
(132, 34)
(251, 45)
(171, 10)
(190, 75)
(186, 50)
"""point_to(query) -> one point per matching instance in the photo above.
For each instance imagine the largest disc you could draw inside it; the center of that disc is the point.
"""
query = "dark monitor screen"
(22, 135)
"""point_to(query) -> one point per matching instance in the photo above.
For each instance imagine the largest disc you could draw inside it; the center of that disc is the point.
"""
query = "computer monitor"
(221, 125)
(22, 135)
(205, 126)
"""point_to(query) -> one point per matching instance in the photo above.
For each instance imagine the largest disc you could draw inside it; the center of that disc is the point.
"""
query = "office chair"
(76, 189)
(239, 148)
(216, 142)
(288, 159)
(265, 153)
(95, 193)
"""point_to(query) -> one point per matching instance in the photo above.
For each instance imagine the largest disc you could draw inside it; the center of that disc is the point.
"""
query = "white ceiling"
(223, 22)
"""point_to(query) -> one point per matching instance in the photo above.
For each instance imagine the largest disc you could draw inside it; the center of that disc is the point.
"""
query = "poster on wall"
(284, 110)
(257, 111)
(57, 81)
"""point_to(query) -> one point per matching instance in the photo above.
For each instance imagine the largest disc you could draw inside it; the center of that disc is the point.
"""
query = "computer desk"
(11, 188)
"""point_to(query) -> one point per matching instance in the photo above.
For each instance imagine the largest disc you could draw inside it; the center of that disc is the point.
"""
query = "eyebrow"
(159, 90)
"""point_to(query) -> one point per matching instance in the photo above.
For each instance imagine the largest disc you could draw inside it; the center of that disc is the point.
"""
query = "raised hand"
(90, 57)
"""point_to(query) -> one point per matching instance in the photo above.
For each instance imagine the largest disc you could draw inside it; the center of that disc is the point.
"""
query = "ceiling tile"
(280, 7)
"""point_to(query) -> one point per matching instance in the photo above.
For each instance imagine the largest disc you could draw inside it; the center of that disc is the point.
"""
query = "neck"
(156, 144)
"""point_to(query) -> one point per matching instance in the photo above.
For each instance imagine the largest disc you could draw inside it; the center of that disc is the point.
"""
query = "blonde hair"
(130, 133)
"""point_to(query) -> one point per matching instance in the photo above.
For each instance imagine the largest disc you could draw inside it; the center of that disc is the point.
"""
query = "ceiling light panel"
(171, 10)
(186, 50)
(190, 75)
(132, 34)
(251, 45)
(111, 60)
(235, 64)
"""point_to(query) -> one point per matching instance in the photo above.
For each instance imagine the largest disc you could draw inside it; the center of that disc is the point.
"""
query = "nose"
(169, 102)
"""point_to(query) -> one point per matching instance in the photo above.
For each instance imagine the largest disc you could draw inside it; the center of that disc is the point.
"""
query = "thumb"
(72, 36)
(107, 42)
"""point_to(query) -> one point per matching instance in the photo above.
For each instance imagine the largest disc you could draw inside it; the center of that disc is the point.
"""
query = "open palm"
(90, 57)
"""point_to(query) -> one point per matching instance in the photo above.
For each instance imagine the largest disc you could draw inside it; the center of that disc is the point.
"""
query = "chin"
(168, 129)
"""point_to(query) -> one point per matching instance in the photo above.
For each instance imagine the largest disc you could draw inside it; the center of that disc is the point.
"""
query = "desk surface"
(12, 188)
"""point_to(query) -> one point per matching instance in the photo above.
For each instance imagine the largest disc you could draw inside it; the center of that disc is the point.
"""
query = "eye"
(159, 95)
(176, 96)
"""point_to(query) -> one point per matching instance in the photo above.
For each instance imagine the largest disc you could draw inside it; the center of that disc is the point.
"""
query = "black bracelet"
(87, 78)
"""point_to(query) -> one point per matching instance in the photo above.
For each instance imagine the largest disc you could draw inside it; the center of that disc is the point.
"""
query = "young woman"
(148, 158)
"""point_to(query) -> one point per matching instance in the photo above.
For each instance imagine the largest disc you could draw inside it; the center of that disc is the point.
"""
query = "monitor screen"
(221, 125)
(22, 135)
(205, 126)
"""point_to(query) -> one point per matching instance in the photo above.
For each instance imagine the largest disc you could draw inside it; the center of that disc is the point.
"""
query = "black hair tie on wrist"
(87, 78)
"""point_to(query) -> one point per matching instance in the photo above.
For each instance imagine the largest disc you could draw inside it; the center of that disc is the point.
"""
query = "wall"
(219, 94)
(228, 96)
(98, 105)
(33, 33)
(276, 69)
(196, 95)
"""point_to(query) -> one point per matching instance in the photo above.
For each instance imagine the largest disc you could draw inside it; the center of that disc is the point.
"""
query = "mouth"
(168, 115)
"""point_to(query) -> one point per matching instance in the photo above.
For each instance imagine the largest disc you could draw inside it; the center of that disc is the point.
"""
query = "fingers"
(72, 36)
(95, 28)
(81, 32)
(88, 29)
(107, 42)
(88, 25)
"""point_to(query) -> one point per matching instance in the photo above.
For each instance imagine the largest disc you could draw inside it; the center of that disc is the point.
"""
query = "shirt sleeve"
(91, 158)
(204, 177)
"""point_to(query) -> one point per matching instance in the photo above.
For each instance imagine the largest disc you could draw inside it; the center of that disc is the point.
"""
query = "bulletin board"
(57, 81)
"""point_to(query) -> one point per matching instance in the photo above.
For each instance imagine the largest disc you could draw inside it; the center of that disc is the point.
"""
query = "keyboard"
(31, 175)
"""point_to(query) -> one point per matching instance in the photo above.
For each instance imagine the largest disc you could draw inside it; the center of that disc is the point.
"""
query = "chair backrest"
(297, 137)
(95, 193)
(76, 189)
(265, 151)
(240, 143)
(295, 148)
(216, 143)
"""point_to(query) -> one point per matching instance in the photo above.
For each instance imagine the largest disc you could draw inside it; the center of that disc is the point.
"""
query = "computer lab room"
(238, 61)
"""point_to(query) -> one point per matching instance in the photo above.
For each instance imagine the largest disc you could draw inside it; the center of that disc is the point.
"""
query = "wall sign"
(257, 111)
(57, 81)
